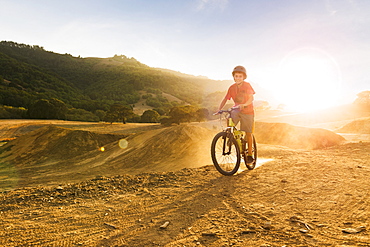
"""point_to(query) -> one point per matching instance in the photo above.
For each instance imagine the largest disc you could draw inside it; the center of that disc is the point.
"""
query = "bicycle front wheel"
(225, 153)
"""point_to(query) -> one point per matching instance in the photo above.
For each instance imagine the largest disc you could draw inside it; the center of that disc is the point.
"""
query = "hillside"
(361, 126)
(28, 73)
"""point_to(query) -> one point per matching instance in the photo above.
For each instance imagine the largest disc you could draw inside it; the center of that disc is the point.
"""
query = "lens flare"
(123, 143)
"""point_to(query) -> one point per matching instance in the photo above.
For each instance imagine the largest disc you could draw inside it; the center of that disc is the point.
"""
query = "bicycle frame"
(231, 128)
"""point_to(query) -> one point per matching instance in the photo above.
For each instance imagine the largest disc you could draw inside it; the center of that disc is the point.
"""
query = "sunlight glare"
(260, 162)
(308, 79)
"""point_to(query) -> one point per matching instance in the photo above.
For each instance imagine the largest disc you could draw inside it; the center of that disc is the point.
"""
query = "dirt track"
(298, 198)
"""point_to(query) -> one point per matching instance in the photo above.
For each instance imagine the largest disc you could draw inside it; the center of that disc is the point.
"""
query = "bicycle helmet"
(240, 69)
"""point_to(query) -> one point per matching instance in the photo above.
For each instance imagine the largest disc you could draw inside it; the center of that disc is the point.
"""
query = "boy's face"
(238, 77)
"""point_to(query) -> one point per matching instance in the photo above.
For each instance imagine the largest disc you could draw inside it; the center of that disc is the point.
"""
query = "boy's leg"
(247, 125)
(249, 139)
(235, 115)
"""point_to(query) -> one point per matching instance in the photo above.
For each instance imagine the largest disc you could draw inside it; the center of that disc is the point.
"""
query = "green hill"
(30, 73)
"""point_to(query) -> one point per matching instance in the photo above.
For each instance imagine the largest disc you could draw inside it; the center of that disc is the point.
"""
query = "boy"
(242, 94)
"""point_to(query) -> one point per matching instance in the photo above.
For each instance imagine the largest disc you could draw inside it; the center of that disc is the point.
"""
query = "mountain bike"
(229, 147)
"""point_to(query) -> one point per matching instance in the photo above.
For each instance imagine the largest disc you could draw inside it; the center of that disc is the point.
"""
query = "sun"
(308, 79)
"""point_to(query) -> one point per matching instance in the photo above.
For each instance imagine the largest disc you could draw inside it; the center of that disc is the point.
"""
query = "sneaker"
(250, 159)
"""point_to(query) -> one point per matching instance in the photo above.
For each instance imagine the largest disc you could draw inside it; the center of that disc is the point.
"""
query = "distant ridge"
(29, 73)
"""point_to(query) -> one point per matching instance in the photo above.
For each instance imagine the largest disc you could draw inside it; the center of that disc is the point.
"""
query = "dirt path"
(300, 198)
(294, 198)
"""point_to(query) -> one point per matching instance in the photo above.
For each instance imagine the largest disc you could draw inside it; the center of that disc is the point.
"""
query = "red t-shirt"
(240, 96)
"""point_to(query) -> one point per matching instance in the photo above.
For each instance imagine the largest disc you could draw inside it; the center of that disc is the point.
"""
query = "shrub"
(10, 112)
(81, 115)
(150, 116)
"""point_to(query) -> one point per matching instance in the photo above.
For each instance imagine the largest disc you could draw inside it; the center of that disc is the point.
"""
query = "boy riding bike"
(241, 92)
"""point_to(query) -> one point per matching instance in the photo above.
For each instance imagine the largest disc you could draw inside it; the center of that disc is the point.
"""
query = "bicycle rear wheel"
(251, 166)
(225, 153)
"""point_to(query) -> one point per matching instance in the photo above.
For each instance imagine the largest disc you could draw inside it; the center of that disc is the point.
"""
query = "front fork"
(227, 143)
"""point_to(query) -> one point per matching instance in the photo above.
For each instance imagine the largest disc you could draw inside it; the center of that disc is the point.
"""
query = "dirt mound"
(48, 154)
(168, 149)
(295, 137)
(51, 155)
(13, 130)
(360, 126)
(51, 142)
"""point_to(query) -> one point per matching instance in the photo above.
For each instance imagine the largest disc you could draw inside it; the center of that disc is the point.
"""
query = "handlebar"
(228, 110)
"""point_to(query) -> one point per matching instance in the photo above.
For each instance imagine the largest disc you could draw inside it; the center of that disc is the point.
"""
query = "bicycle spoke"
(225, 154)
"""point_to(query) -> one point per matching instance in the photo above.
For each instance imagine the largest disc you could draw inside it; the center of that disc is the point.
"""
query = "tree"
(150, 116)
(10, 112)
(201, 114)
(110, 117)
(118, 112)
(363, 99)
(166, 121)
(161, 111)
(42, 109)
(134, 118)
(100, 114)
(180, 114)
(81, 115)
(59, 107)
(176, 115)
(48, 109)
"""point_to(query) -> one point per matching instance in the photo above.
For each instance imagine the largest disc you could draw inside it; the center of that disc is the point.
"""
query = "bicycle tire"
(225, 153)
(251, 166)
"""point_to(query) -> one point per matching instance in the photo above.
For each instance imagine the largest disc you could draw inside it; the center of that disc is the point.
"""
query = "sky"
(312, 53)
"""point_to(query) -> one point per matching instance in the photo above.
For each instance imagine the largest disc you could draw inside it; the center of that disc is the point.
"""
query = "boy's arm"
(249, 101)
(222, 104)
